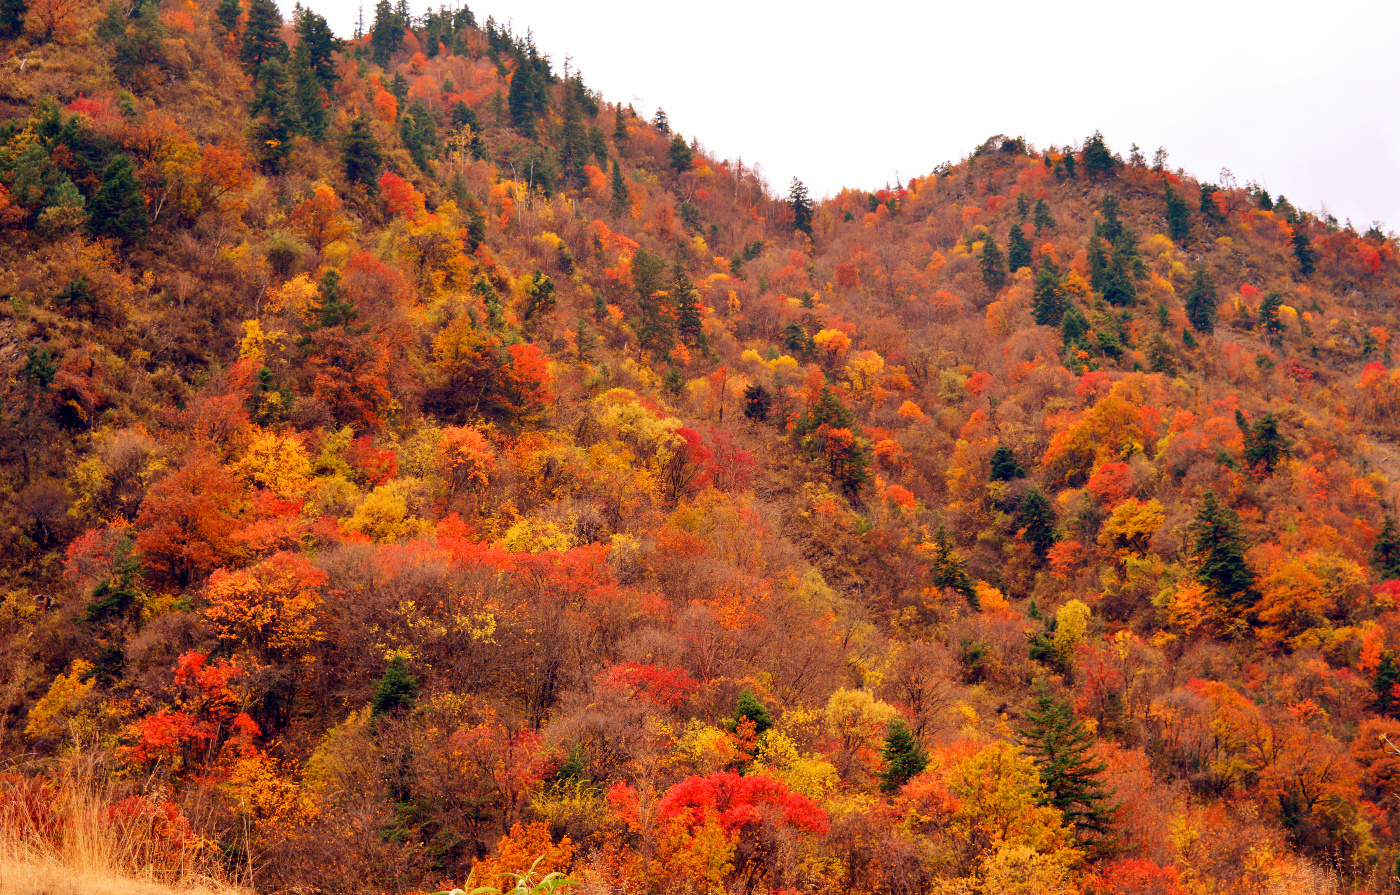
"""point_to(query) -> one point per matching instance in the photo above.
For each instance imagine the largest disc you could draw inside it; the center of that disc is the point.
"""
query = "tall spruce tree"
(1018, 249)
(801, 205)
(993, 264)
(1049, 301)
(1201, 301)
(656, 330)
(1217, 547)
(621, 200)
(262, 37)
(685, 303)
(1178, 216)
(1303, 252)
(1037, 518)
(318, 44)
(360, 155)
(1385, 555)
(948, 569)
(1058, 743)
(904, 757)
(226, 14)
(118, 208)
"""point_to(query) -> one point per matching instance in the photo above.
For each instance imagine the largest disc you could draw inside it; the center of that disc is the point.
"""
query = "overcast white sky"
(1299, 97)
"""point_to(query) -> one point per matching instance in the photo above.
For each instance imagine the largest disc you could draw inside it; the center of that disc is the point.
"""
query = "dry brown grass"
(71, 835)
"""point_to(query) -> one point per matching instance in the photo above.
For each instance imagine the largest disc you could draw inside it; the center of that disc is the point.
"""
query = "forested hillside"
(416, 467)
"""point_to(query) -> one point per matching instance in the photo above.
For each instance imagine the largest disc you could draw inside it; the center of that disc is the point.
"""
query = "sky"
(1299, 98)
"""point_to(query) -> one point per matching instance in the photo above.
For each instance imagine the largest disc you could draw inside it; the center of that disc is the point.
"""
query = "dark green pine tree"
(1004, 465)
(993, 264)
(904, 757)
(1042, 217)
(621, 138)
(274, 121)
(1217, 546)
(386, 34)
(1385, 555)
(397, 689)
(1264, 444)
(1037, 519)
(1049, 302)
(118, 208)
(1119, 289)
(749, 707)
(685, 304)
(1098, 161)
(1178, 217)
(801, 205)
(1059, 745)
(656, 330)
(360, 155)
(1201, 301)
(262, 37)
(757, 403)
(1073, 327)
(621, 201)
(948, 569)
(660, 121)
(1384, 683)
(680, 154)
(1018, 249)
(1303, 251)
(318, 44)
(1098, 257)
(1210, 209)
(529, 90)
(225, 14)
(309, 96)
(418, 134)
(573, 140)
(336, 309)
(1109, 224)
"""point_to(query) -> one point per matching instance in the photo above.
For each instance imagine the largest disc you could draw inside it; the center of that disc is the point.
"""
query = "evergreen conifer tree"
(1303, 252)
(1217, 546)
(272, 128)
(1178, 217)
(225, 14)
(1048, 302)
(656, 331)
(319, 43)
(801, 205)
(685, 301)
(360, 155)
(1264, 444)
(1385, 555)
(396, 690)
(262, 37)
(1038, 519)
(118, 208)
(993, 264)
(386, 34)
(308, 93)
(757, 402)
(1098, 161)
(621, 200)
(1059, 744)
(680, 154)
(621, 138)
(1018, 249)
(1384, 684)
(1201, 301)
(950, 570)
(749, 707)
(1042, 217)
(904, 757)
(1004, 465)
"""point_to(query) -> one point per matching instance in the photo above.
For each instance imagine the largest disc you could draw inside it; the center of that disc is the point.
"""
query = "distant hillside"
(414, 465)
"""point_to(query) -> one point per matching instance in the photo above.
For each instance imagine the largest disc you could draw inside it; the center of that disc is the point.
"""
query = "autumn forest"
(418, 472)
